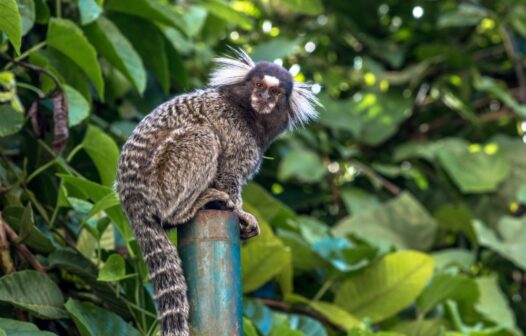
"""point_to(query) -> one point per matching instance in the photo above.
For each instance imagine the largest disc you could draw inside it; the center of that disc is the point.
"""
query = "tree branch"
(287, 307)
(377, 177)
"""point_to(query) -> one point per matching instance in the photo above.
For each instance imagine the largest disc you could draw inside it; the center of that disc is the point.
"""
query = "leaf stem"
(40, 170)
(58, 8)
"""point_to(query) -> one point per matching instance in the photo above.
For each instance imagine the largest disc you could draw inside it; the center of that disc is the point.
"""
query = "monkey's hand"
(248, 224)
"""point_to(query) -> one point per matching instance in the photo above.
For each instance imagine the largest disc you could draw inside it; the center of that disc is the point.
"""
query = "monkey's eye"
(274, 91)
(259, 85)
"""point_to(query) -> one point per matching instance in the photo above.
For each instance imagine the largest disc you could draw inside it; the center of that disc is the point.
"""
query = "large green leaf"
(66, 37)
(387, 287)
(148, 40)
(78, 107)
(447, 287)
(260, 262)
(493, 304)
(11, 23)
(370, 117)
(35, 292)
(402, 221)
(303, 164)
(92, 320)
(422, 327)
(20, 328)
(12, 120)
(511, 243)
(474, 168)
(104, 152)
(112, 44)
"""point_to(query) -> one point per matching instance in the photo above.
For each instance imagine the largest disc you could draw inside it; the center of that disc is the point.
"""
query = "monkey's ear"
(231, 70)
(303, 104)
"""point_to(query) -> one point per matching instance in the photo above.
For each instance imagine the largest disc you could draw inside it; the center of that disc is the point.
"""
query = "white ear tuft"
(231, 70)
(302, 103)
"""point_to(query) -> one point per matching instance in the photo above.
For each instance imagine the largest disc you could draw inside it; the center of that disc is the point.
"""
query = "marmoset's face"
(270, 83)
(266, 92)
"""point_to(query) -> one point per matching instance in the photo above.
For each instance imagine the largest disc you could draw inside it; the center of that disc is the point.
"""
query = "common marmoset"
(198, 148)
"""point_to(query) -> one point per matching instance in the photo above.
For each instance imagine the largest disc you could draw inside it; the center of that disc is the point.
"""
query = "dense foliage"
(399, 212)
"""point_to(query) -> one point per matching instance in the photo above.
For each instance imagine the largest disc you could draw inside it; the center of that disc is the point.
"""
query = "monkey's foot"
(248, 225)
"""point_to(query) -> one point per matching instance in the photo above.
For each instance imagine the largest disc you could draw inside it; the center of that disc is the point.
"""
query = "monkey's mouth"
(262, 107)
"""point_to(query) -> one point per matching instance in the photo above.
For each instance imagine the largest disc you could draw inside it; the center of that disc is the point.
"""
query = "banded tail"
(166, 273)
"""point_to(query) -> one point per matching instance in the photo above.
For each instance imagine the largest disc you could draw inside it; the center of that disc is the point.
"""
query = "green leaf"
(454, 257)
(387, 287)
(422, 328)
(20, 328)
(12, 120)
(303, 164)
(465, 14)
(358, 200)
(27, 13)
(149, 10)
(456, 218)
(402, 221)
(114, 269)
(510, 245)
(11, 23)
(112, 44)
(147, 40)
(271, 209)
(310, 7)
(96, 192)
(34, 238)
(447, 287)
(335, 314)
(371, 117)
(260, 262)
(278, 47)
(474, 168)
(34, 292)
(104, 152)
(109, 201)
(41, 12)
(92, 320)
(89, 11)
(78, 107)
(224, 11)
(248, 328)
(493, 304)
(66, 37)
(284, 330)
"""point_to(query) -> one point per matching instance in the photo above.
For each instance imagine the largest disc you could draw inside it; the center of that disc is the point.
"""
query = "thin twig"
(56, 90)
(21, 248)
(377, 177)
(6, 262)
(287, 307)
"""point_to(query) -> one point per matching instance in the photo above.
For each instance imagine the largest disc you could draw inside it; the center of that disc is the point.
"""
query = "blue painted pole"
(209, 250)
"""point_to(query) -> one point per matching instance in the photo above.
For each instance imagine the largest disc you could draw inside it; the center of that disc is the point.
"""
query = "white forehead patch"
(270, 81)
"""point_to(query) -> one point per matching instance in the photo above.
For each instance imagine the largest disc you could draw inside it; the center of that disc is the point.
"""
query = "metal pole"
(209, 250)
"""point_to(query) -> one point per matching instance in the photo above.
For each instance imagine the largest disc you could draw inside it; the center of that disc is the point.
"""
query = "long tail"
(166, 274)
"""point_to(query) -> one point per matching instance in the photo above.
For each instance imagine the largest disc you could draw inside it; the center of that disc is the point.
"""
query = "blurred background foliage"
(399, 212)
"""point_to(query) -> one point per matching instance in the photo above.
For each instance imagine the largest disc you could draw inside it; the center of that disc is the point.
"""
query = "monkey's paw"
(248, 225)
